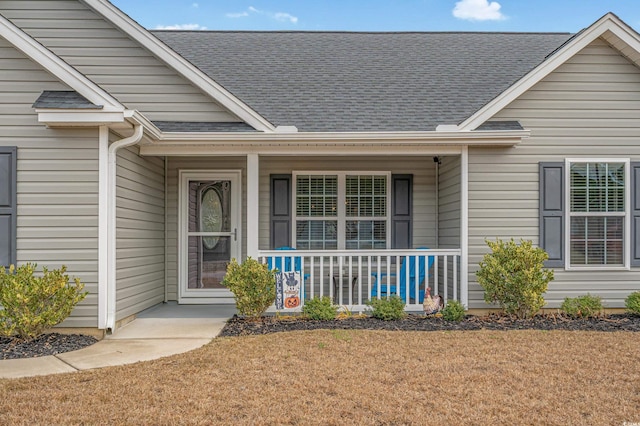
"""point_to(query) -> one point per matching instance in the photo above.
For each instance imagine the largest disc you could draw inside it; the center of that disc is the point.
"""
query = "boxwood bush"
(31, 304)
(513, 276)
(587, 306)
(320, 308)
(387, 309)
(253, 286)
(453, 311)
(632, 302)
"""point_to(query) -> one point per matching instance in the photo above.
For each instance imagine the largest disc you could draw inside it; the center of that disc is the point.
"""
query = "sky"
(378, 15)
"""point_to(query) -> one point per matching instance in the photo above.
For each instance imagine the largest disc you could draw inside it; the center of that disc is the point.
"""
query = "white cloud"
(478, 10)
(284, 17)
(237, 15)
(278, 16)
(181, 27)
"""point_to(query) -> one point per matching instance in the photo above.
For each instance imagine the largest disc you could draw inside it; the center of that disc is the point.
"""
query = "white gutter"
(111, 222)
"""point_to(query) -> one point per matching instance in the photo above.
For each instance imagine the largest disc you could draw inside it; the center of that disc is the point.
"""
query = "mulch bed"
(47, 344)
(238, 326)
(54, 343)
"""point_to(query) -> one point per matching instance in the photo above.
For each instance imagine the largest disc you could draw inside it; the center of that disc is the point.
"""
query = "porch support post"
(464, 226)
(253, 195)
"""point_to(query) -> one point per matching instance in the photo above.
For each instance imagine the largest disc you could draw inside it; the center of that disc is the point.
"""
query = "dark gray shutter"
(280, 211)
(552, 209)
(401, 211)
(8, 205)
(635, 213)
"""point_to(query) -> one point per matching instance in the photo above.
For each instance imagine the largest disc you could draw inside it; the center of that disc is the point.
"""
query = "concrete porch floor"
(162, 330)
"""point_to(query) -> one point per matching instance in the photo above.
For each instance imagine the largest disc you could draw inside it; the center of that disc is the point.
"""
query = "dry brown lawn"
(354, 377)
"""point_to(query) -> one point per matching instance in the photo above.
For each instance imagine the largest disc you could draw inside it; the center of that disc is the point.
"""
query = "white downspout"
(111, 222)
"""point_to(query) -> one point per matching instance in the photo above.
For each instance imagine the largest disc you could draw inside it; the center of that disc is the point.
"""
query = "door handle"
(235, 234)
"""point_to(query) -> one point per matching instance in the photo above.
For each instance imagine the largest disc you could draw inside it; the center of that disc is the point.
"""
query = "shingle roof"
(183, 126)
(340, 81)
(63, 100)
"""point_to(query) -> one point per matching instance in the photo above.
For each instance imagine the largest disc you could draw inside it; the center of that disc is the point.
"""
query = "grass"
(353, 377)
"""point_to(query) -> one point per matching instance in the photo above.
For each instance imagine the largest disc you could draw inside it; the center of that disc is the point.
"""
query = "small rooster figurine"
(432, 305)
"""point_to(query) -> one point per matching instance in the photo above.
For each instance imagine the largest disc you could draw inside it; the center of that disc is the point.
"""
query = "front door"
(209, 221)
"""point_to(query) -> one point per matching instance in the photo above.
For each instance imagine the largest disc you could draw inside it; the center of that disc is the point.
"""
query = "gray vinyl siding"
(588, 107)
(449, 203)
(57, 188)
(449, 215)
(109, 58)
(140, 232)
(174, 164)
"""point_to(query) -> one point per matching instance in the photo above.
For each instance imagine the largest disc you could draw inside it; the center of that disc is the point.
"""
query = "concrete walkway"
(160, 331)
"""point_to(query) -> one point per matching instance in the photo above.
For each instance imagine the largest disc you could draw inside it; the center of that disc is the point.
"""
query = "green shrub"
(320, 308)
(582, 307)
(453, 311)
(253, 286)
(32, 304)
(632, 302)
(387, 309)
(513, 276)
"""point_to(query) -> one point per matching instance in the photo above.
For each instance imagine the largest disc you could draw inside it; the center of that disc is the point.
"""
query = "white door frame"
(203, 296)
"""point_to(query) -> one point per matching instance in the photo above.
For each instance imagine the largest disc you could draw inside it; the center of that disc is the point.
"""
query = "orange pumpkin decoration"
(292, 302)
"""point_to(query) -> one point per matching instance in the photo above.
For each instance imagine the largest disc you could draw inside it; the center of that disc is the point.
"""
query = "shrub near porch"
(253, 285)
(513, 276)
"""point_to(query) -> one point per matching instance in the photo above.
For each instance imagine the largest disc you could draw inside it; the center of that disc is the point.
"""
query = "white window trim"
(627, 215)
(341, 218)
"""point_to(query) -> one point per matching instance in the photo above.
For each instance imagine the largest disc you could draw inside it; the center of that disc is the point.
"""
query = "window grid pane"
(366, 196)
(597, 240)
(597, 187)
(366, 234)
(316, 196)
(317, 234)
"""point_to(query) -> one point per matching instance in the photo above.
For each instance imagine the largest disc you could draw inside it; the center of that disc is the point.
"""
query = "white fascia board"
(505, 137)
(78, 117)
(332, 143)
(609, 22)
(181, 65)
(56, 66)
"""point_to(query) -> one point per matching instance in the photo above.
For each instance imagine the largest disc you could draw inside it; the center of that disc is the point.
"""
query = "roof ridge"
(356, 32)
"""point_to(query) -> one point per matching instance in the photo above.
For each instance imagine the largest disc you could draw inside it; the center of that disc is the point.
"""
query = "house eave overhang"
(325, 142)
(79, 117)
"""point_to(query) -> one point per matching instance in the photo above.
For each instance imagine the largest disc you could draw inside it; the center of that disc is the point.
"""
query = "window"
(598, 218)
(341, 211)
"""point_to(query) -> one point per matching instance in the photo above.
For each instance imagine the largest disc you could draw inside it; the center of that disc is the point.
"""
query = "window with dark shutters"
(401, 219)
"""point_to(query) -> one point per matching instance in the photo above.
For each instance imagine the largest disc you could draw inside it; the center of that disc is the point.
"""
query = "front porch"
(352, 222)
(353, 207)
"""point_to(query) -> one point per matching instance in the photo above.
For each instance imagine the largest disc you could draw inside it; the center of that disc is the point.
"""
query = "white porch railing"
(350, 277)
